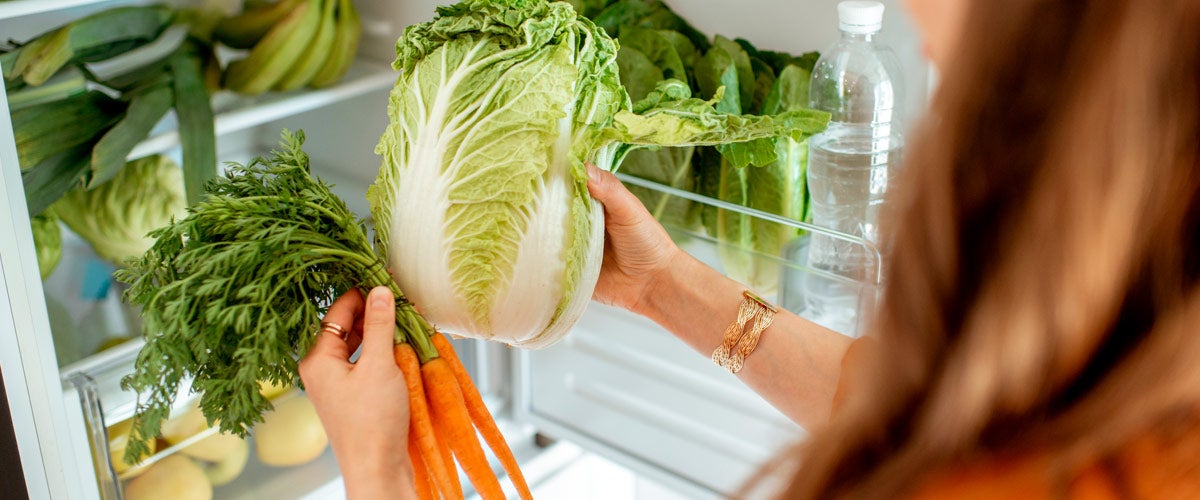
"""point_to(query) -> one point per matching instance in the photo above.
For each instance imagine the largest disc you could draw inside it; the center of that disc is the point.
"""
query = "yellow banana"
(276, 52)
(314, 55)
(345, 46)
(246, 29)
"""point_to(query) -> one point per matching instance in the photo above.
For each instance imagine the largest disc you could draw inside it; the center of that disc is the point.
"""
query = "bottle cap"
(860, 17)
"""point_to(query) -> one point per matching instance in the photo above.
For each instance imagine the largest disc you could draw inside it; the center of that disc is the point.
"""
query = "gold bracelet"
(738, 343)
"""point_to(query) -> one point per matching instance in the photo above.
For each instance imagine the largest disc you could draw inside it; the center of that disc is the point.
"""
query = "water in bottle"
(851, 164)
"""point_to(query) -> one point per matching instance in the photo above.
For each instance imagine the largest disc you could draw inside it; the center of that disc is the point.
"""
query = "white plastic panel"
(646, 400)
(19, 406)
(30, 332)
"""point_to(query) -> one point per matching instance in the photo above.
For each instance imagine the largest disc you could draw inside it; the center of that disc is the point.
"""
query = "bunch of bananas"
(293, 43)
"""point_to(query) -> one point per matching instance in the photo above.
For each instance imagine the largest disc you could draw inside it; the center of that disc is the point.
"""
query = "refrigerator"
(618, 394)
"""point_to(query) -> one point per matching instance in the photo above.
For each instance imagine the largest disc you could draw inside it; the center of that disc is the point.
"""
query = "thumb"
(379, 324)
(620, 205)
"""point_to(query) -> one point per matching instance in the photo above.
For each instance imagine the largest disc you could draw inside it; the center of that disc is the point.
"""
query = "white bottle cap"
(860, 17)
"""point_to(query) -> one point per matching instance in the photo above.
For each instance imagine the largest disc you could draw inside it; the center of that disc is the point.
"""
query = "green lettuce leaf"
(751, 245)
(647, 14)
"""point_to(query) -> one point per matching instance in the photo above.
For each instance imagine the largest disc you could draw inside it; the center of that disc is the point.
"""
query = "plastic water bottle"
(851, 164)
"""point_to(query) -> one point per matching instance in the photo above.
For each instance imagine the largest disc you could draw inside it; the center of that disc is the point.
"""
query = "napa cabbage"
(481, 203)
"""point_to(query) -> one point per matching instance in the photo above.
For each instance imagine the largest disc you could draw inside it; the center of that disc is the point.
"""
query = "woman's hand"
(363, 405)
(637, 250)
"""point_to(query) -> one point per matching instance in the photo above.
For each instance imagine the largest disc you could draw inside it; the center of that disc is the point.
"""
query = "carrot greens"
(234, 292)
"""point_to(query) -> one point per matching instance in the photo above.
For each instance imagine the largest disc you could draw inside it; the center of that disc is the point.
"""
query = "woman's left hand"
(363, 405)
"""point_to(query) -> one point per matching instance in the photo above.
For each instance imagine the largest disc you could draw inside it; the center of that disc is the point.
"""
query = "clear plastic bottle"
(851, 164)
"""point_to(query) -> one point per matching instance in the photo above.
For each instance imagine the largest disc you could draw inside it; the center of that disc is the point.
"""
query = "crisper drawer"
(286, 457)
(623, 387)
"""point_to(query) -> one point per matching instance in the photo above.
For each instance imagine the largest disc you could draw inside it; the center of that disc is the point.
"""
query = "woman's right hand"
(637, 250)
(362, 405)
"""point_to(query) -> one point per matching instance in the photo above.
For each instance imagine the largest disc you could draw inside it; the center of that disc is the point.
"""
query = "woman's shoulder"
(1161, 464)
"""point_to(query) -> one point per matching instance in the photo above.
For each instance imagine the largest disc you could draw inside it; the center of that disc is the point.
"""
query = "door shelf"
(777, 270)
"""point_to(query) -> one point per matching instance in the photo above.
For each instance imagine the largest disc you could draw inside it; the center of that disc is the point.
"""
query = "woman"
(1041, 322)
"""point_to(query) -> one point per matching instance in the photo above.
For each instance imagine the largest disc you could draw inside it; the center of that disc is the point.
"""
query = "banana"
(89, 39)
(276, 52)
(345, 46)
(246, 29)
(314, 55)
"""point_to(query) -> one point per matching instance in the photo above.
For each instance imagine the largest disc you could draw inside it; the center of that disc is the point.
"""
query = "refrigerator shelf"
(237, 113)
(20, 8)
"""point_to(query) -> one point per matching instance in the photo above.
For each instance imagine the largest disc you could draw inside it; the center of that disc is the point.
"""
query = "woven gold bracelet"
(754, 313)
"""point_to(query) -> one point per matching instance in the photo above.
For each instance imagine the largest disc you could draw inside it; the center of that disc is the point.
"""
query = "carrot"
(421, 422)
(439, 429)
(421, 481)
(448, 407)
(481, 417)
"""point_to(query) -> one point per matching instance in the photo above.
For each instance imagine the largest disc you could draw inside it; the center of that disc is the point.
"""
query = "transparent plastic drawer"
(623, 387)
(769, 253)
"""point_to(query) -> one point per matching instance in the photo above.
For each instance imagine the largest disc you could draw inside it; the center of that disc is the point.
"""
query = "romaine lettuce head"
(116, 217)
(481, 204)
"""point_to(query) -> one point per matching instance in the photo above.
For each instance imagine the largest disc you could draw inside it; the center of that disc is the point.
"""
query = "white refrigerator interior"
(619, 394)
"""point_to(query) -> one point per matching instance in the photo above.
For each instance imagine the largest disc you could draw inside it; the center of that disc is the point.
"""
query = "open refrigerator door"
(661, 412)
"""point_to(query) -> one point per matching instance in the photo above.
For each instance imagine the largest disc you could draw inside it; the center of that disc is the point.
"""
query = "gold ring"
(335, 329)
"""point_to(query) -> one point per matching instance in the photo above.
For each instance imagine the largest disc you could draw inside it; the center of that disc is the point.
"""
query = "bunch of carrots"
(445, 411)
(229, 295)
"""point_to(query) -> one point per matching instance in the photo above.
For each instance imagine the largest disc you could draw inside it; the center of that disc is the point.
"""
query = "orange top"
(1153, 466)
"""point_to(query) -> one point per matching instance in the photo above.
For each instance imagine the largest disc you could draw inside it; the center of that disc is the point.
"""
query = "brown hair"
(1043, 287)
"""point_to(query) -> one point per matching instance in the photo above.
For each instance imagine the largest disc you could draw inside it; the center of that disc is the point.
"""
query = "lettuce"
(116, 217)
(751, 246)
(481, 203)
(648, 56)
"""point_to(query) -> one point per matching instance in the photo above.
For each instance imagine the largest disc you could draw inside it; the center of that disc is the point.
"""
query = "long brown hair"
(1042, 292)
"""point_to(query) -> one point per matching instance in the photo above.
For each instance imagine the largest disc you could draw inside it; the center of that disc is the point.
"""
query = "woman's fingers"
(379, 325)
(620, 205)
(329, 349)
(354, 339)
